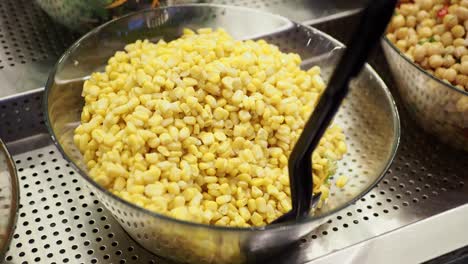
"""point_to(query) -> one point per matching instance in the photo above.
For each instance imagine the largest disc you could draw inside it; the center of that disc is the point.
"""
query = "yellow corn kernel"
(136, 189)
(116, 170)
(207, 157)
(180, 213)
(256, 192)
(178, 201)
(241, 202)
(196, 200)
(220, 136)
(286, 205)
(252, 205)
(341, 181)
(152, 158)
(210, 179)
(173, 188)
(256, 219)
(211, 205)
(184, 133)
(223, 199)
(207, 138)
(257, 182)
(154, 190)
(158, 204)
(261, 205)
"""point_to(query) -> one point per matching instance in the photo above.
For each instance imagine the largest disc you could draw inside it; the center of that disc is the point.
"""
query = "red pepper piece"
(442, 12)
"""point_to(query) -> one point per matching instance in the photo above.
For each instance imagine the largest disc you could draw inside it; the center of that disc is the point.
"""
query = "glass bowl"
(82, 16)
(439, 107)
(368, 117)
(9, 198)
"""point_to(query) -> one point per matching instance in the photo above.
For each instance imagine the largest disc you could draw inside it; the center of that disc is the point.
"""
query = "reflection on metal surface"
(409, 244)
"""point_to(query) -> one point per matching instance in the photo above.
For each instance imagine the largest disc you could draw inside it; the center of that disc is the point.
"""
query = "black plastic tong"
(372, 25)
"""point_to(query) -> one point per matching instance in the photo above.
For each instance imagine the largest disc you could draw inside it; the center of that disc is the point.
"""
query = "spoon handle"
(372, 25)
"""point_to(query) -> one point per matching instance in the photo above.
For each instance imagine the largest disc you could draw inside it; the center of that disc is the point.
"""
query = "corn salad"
(432, 33)
(200, 128)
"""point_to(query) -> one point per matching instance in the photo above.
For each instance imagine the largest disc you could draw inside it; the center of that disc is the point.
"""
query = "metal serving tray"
(413, 215)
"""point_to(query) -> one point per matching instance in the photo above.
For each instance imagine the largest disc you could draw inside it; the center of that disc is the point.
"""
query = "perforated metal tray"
(60, 221)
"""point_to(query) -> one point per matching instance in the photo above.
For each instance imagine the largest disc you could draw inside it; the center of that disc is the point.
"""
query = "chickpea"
(464, 58)
(452, 9)
(462, 13)
(437, 7)
(424, 32)
(436, 38)
(439, 29)
(427, 44)
(435, 48)
(411, 21)
(466, 25)
(435, 61)
(459, 42)
(428, 22)
(439, 72)
(426, 4)
(402, 44)
(419, 53)
(449, 50)
(398, 21)
(446, 38)
(450, 21)
(460, 51)
(456, 67)
(422, 15)
(412, 39)
(401, 33)
(391, 37)
(461, 80)
(448, 61)
(408, 9)
(464, 67)
(450, 75)
(464, 3)
(425, 63)
(458, 31)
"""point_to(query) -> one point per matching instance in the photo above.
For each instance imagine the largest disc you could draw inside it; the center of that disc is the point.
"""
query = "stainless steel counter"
(416, 213)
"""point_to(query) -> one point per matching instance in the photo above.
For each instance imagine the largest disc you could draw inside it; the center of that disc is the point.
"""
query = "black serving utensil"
(372, 25)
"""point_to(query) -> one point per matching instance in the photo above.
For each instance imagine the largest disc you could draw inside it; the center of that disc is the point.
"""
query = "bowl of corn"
(426, 48)
(181, 122)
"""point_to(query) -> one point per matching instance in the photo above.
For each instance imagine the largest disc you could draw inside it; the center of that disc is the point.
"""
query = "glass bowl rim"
(15, 197)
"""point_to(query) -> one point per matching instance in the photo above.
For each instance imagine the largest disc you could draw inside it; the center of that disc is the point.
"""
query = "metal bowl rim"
(395, 117)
